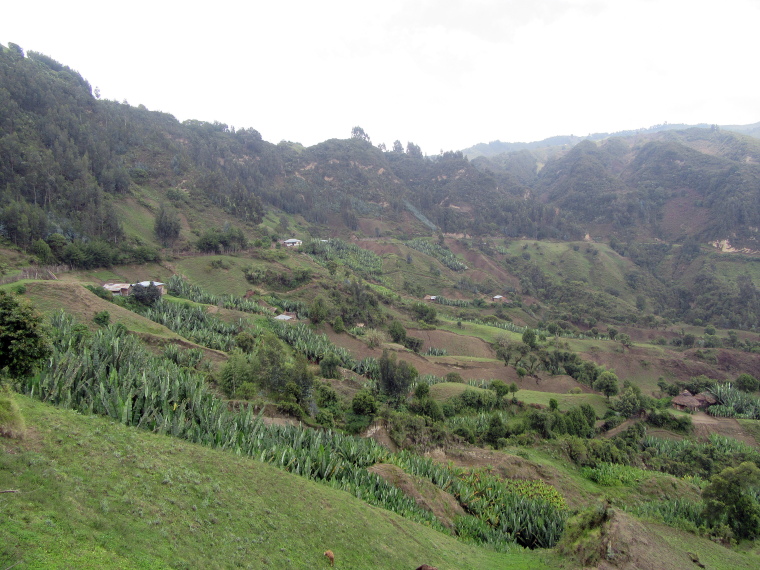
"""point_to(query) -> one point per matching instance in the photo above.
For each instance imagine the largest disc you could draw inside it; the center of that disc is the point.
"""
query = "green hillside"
(497, 348)
(92, 494)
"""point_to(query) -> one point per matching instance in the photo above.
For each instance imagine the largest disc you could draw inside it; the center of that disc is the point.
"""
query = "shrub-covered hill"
(88, 493)
(113, 181)
(706, 178)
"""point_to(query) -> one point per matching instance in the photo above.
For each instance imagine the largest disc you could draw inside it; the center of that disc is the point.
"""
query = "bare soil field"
(705, 424)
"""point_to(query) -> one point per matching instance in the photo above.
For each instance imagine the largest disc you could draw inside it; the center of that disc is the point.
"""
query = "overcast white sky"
(445, 74)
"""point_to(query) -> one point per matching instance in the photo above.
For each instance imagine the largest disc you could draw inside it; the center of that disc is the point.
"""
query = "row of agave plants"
(186, 357)
(529, 513)
(316, 346)
(442, 254)
(298, 307)
(702, 459)
(312, 345)
(194, 323)
(673, 512)
(476, 423)
(446, 302)
(362, 261)
(511, 327)
(113, 374)
(733, 403)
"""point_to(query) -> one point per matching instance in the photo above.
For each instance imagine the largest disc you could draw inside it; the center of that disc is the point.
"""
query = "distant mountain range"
(498, 147)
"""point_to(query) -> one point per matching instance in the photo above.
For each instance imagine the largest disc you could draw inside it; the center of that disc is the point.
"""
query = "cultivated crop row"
(362, 261)
(194, 323)
(439, 252)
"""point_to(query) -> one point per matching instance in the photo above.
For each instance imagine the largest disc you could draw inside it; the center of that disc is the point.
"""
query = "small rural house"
(706, 399)
(161, 286)
(292, 242)
(287, 316)
(429, 298)
(498, 299)
(122, 289)
(685, 401)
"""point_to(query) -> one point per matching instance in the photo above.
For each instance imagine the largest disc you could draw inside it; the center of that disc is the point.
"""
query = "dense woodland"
(550, 300)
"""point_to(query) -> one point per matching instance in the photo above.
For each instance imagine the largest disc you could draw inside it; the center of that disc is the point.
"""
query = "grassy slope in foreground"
(94, 494)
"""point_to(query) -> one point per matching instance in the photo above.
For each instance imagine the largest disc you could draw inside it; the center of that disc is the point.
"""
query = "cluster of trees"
(398, 335)
(264, 364)
(395, 377)
(225, 240)
(56, 249)
(529, 356)
(23, 341)
(67, 156)
(278, 279)
(355, 302)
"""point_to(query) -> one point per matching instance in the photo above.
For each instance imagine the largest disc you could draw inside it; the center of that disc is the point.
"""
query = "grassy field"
(445, 390)
(603, 270)
(230, 279)
(565, 401)
(216, 281)
(137, 220)
(485, 332)
(94, 494)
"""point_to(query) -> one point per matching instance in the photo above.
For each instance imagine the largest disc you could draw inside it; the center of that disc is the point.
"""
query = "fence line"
(46, 272)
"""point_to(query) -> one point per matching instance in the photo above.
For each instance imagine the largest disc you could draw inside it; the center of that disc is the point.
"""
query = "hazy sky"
(445, 74)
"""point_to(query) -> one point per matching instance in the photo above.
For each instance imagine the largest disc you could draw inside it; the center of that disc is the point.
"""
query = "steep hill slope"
(92, 494)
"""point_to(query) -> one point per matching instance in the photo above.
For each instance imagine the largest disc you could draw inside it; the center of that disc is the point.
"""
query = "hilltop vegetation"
(73, 161)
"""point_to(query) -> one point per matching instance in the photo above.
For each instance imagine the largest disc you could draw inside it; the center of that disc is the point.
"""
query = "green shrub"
(454, 377)
(325, 395)
(325, 418)
(356, 423)
(11, 420)
(364, 404)
(429, 408)
(247, 391)
(100, 292)
(291, 409)
(664, 419)
(338, 325)
(397, 332)
(747, 383)
(102, 319)
(465, 433)
(329, 366)
(413, 343)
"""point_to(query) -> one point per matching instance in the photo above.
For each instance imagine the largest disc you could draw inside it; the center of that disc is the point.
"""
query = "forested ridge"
(69, 156)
